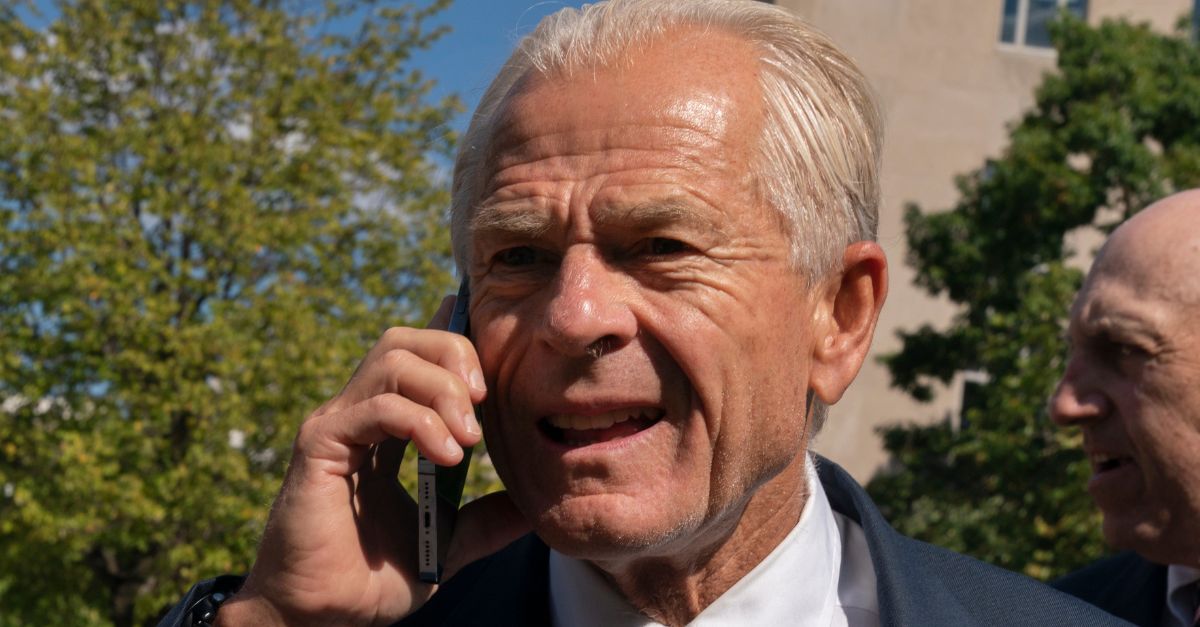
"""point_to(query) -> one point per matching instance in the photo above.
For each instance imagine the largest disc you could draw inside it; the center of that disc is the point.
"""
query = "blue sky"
(483, 32)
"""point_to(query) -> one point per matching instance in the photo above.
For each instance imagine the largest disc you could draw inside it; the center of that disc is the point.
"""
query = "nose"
(1077, 399)
(588, 313)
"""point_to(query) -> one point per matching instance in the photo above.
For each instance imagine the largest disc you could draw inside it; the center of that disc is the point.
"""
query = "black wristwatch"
(203, 612)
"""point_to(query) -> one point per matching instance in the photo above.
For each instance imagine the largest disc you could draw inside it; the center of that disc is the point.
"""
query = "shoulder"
(922, 584)
(1128, 567)
(1124, 584)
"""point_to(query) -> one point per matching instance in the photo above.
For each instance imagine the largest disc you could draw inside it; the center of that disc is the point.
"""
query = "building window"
(1027, 22)
(1196, 21)
(972, 398)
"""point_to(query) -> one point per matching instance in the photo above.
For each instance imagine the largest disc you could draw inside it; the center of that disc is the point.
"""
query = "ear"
(845, 318)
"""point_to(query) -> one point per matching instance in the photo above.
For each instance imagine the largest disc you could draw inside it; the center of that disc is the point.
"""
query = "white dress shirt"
(819, 575)
(1181, 596)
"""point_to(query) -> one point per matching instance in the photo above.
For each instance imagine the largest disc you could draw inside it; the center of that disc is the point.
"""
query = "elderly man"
(666, 213)
(1133, 386)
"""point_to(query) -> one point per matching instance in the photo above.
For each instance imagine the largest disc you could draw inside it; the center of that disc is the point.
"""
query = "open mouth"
(578, 430)
(1103, 462)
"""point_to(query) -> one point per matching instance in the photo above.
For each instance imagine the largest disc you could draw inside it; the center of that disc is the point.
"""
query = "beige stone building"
(950, 76)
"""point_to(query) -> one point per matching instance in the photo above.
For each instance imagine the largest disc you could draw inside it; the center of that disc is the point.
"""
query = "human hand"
(341, 541)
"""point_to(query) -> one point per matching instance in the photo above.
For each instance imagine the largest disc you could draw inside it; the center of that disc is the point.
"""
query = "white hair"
(818, 155)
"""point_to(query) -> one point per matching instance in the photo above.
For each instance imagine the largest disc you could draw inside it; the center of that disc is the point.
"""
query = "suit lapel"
(910, 586)
(1141, 590)
(1125, 585)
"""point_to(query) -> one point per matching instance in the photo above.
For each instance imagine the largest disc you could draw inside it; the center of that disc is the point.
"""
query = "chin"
(606, 533)
(1142, 536)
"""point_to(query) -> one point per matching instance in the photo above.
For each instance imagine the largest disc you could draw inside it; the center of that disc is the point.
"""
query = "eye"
(665, 246)
(516, 256)
(1125, 350)
(1122, 351)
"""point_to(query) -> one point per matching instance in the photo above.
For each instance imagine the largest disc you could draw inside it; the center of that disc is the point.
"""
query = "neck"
(673, 590)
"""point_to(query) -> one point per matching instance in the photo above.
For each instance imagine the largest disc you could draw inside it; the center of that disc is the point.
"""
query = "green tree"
(209, 210)
(1115, 127)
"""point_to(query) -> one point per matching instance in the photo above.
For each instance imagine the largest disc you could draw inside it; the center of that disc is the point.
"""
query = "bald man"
(1132, 385)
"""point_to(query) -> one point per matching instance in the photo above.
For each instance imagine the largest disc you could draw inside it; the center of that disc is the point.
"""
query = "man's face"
(1133, 384)
(645, 341)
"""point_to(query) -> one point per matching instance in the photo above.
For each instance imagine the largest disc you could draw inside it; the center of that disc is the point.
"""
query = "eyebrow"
(654, 214)
(1118, 320)
(494, 219)
(641, 216)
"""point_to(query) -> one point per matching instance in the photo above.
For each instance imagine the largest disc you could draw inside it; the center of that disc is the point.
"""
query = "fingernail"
(470, 423)
(452, 447)
(476, 381)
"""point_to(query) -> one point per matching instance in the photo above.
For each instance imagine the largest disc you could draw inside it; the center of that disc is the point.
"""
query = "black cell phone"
(440, 488)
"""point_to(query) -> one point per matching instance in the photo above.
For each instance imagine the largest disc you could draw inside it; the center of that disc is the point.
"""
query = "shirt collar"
(1181, 594)
(796, 584)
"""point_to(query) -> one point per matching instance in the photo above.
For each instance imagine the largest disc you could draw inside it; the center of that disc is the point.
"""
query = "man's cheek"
(501, 354)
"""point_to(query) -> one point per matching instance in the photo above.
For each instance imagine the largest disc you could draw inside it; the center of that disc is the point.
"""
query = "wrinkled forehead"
(1145, 264)
(638, 78)
(1104, 295)
(1132, 288)
(688, 78)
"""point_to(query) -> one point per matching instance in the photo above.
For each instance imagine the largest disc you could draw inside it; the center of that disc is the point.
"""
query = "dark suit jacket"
(1125, 585)
(918, 584)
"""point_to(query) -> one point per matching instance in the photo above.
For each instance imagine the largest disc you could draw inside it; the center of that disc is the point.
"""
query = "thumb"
(484, 526)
